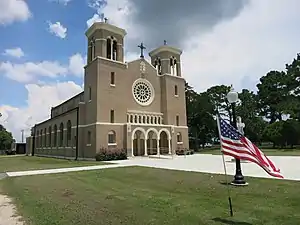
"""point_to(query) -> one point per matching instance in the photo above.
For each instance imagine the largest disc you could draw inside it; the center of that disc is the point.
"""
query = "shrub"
(184, 151)
(111, 154)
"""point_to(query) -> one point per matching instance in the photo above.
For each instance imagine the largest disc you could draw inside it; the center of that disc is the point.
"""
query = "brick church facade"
(138, 106)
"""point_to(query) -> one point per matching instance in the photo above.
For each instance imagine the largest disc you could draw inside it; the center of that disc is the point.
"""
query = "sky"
(43, 46)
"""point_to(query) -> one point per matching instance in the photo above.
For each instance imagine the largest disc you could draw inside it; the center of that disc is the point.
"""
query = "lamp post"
(232, 98)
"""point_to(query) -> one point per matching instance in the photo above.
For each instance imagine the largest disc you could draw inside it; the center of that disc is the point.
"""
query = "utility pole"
(22, 131)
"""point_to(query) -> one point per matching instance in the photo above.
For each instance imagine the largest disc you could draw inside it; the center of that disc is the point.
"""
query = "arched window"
(55, 136)
(140, 119)
(151, 120)
(179, 138)
(135, 119)
(37, 139)
(155, 120)
(111, 48)
(158, 120)
(41, 138)
(131, 118)
(148, 119)
(144, 119)
(61, 134)
(45, 138)
(108, 48)
(115, 48)
(157, 65)
(69, 132)
(173, 66)
(50, 136)
(111, 137)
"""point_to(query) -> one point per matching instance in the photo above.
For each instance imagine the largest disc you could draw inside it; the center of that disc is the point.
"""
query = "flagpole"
(225, 170)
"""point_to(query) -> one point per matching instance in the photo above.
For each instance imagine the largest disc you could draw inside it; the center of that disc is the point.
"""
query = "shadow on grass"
(231, 222)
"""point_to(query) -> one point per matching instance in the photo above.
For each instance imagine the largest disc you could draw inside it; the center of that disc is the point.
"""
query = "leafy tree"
(218, 97)
(274, 133)
(202, 126)
(6, 138)
(273, 95)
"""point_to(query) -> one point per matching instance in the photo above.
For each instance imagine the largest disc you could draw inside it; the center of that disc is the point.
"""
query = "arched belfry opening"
(157, 65)
(111, 48)
(173, 66)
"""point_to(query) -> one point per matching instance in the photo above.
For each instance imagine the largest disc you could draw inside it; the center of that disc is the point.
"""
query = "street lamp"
(233, 98)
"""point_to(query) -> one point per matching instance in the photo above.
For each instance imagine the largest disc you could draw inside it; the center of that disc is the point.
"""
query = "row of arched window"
(54, 136)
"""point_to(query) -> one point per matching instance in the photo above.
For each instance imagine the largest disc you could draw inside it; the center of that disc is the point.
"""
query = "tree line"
(270, 115)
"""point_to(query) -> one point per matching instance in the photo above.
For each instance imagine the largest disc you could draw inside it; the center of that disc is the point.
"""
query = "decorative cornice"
(165, 48)
(105, 26)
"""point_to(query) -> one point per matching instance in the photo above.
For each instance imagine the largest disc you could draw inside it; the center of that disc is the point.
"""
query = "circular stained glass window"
(143, 92)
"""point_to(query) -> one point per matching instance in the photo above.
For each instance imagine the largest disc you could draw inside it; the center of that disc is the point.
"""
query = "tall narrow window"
(112, 116)
(69, 132)
(176, 90)
(112, 78)
(37, 139)
(41, 139)
(111, 137)
(90, 93)
(115, 48)
(50, 136)
(45, 138)
(89, 137)
(61, 134)
(55, 136)
(177, 120)
(108, 48)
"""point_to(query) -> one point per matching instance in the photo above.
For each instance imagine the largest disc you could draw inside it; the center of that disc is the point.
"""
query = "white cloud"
(15, 119)
(76, 64)
(13, 10)
(14, 52)
(238, 51)
(30, 71)
(57, 29)
(63, 2)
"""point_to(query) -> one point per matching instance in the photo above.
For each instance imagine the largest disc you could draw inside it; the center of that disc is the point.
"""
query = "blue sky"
(43, 46)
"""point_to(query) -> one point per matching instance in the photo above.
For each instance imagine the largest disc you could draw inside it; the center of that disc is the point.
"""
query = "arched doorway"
(138, 143)
(164, 141)
(152, 142)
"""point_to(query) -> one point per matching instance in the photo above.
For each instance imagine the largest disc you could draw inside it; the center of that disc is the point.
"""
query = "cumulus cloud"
(15, 119)
(13, 10)
(223, 41)
(31, 71)
(57, 29)
(14, 52)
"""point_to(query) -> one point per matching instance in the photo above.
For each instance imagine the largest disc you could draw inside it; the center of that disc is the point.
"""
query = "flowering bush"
(111, 154)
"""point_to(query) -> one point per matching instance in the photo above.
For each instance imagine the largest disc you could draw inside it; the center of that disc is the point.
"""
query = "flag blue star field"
(235, 144)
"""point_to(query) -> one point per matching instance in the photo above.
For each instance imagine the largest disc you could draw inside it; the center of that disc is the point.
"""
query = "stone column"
(158, 151)
(169, 145)
(145, 146)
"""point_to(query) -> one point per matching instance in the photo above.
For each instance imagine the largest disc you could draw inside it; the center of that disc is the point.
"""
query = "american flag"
(234, 144)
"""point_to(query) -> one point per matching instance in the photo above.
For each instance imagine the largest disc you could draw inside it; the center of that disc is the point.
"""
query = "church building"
(138, 106)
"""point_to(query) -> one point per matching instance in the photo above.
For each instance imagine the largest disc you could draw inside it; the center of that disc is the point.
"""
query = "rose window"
(143, 92)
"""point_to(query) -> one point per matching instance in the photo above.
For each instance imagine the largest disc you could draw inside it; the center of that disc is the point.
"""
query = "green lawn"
(144, 196)
(21, 163)
(268, 152)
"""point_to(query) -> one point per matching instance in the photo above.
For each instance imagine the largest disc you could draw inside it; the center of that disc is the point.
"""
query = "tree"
(247, 108)
(273, 95)
(6, 138)
(218, 97)
(202, 126)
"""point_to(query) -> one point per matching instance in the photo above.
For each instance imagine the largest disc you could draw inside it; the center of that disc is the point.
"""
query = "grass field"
(21, 163)
(144, 196)
(268, 152)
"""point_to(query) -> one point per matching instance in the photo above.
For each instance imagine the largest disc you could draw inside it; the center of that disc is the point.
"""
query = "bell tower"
(166, 60)
(106, 41)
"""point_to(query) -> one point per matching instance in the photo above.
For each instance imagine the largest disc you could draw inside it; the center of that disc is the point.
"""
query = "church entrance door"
(138, 143)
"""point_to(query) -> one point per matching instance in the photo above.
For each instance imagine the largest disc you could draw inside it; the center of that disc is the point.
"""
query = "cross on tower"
(165, 42)
(142, 47)
(105, 20)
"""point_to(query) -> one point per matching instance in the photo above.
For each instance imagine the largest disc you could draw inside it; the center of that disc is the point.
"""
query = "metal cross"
(105, 20)
(142, 47)
(165, 42)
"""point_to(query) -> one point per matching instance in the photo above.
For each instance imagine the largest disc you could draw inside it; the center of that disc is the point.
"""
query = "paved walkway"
(198, 163)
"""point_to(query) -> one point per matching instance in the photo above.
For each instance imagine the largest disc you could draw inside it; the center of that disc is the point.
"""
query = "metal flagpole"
(226, 179)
